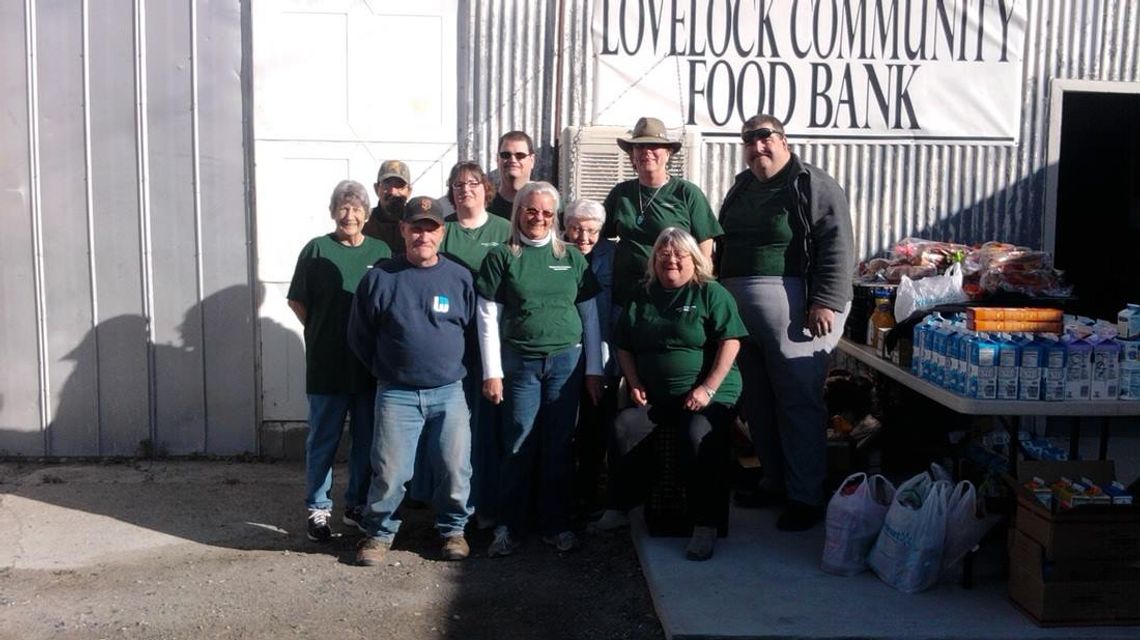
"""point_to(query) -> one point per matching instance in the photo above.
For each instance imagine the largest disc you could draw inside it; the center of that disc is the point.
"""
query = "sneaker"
(503, 544)
(370, 552)
(565, 541)
(701, 544)
(455, 548)
(318, 530)
(354, 517)
(611, 520)
(798, 516)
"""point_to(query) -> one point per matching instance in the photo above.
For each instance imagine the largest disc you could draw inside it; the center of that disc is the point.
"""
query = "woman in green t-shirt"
(536, 316)
(677, 342)
(471, 233)
(337, 384)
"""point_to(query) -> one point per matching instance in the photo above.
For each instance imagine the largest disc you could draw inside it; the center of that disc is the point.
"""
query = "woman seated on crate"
(677, 342)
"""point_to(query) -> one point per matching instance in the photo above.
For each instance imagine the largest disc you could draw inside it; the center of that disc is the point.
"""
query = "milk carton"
(1030, 368)
(928, 354)
(1105, 370)
(1128, 321)
(966, 349)
(938, 368)
(953, 344)
(983, 368)
(1129, 352)
(1130, 383)
(1078, 368)
(1055, 368)
(1009, 361)
(916, 356)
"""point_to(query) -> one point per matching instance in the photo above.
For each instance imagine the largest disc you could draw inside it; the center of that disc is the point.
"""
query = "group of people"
(482, 357)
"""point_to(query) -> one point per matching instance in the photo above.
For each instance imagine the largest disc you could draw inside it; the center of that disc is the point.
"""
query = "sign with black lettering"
(860, 70)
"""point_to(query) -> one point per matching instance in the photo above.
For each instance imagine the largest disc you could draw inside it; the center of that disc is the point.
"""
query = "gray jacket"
(829, 247)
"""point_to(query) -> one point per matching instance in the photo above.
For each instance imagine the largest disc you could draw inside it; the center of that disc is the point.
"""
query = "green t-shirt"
(759, 234)
(469, 247)
(679, 203)
(324, 281)
(538, 293)
(674, 335)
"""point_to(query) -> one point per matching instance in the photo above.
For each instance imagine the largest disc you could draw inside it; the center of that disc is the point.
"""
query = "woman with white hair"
(536, 316)
(677, 342)
(338, 385)
(584, 219)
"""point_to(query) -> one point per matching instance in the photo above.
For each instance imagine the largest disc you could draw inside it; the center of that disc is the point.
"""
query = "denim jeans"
(539, 409)
(402, 414)
(326, 423)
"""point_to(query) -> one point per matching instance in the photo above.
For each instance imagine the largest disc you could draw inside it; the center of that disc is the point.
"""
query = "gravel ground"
(218, 550)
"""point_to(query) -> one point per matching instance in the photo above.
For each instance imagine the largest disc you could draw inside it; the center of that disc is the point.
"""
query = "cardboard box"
(1082, 592)
(1086, 532)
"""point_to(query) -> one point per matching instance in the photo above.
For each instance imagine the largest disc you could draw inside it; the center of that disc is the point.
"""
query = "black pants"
(595, 422)
(703, 451)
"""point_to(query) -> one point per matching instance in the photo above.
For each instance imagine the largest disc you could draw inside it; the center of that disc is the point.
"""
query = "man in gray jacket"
(787, 257)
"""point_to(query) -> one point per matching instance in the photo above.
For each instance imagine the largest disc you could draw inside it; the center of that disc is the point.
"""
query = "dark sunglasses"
(518, 155)
(763, 133)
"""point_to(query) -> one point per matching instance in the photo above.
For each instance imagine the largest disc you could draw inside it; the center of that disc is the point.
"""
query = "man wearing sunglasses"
(516, 162)
(786, 256)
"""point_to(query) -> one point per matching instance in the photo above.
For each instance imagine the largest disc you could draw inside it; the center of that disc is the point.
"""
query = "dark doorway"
(1098, 200)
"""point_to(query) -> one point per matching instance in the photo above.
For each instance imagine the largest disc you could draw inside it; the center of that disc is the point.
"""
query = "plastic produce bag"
(914, 295)
(964, 528)
(908, 552)
(854, 517)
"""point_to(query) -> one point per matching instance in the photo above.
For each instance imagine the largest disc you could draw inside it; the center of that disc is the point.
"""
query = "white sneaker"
(565, 541)
(503, 544)
(611, 520)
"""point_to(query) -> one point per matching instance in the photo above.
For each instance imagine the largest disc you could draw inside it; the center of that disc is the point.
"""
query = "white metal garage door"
(338, 87)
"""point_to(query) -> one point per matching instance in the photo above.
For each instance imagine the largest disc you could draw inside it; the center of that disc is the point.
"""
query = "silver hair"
(679, 239)
(349, 190)
(557, 246)
(585, 209)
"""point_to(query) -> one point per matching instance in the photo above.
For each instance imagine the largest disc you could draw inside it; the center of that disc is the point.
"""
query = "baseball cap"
(423, 208)
(394, 169)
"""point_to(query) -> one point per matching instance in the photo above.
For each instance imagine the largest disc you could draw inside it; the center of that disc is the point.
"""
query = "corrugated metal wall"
(127, 290)
(947, 192)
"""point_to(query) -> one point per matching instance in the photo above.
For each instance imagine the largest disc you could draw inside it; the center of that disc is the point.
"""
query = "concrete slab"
(763, 583)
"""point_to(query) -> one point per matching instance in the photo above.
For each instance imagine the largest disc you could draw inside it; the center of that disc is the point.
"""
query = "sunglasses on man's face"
(518, 155)
(763, 133)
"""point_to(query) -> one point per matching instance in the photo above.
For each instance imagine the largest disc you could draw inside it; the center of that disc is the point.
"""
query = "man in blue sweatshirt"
(407, 325)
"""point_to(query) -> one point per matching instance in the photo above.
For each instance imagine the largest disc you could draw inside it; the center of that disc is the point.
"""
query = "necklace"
(642, 207)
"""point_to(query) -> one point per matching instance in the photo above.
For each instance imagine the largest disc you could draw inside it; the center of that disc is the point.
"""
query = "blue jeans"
(540, 406)
(402, 414)
(326, 423)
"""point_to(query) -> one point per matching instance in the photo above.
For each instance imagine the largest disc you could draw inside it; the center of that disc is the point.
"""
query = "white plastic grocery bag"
(964, 529)
(908, 552)
(854, 517)
(928, 292)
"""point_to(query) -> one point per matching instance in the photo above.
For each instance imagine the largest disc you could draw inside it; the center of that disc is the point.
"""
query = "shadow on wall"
(126, 396)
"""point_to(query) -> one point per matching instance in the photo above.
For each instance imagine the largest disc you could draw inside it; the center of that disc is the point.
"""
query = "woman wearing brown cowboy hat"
(638, 210)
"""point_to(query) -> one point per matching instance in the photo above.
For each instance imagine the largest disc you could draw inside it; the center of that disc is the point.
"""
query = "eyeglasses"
(470, 184)
(763, 133)
(667, 256)
(583, 231)
(518, 155)
(545, 213)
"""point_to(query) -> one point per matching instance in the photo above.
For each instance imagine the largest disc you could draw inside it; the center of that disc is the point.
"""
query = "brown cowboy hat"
(648, 131)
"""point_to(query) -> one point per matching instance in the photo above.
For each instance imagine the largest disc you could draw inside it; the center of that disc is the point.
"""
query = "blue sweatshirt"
(407, 322)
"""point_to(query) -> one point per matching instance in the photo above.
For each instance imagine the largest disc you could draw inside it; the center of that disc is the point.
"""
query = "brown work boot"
(455, 548)
(371, 552)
